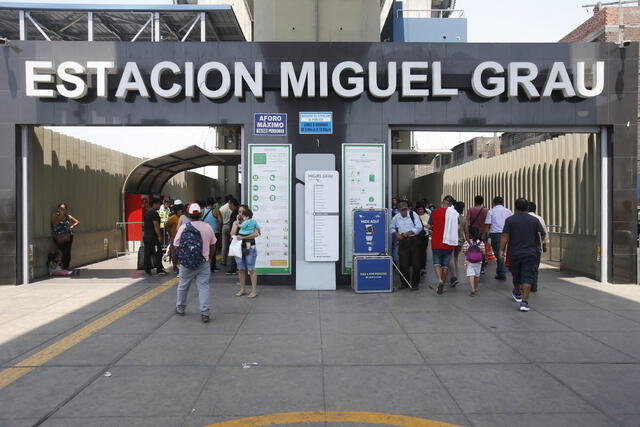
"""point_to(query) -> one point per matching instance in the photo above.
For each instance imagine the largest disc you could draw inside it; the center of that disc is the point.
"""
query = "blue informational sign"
(370, 232)
(372, 274)
(270, 124)
(314, 123)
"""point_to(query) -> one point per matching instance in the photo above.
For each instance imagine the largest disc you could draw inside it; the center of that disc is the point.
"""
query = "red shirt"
(477, 214)
(437, 223)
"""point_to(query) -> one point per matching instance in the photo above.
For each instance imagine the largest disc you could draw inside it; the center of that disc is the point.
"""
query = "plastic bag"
(235, 248)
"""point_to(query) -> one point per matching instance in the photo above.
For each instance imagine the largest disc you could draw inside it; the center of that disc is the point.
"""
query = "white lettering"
(516, 80)
(126, 84)
(225, 85)
(356, 83)
(102, 68)
(408, 78)
(156, 76)
(241, 74)
(32, 78)
(80, 87)
(436, 78)
(558, 79)
(188, 80)
(496, 83)
(597, 85)
(391, 80)
(307, 78)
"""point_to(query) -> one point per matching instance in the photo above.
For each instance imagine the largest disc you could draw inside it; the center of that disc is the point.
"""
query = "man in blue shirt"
(212, 217)
(494, 223)
(406, 226)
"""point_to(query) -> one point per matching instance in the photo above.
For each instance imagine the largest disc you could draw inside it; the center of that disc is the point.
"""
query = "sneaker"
(204, 318)
(473, 293)
(516, 297)
(415, 287)
(162, 273)
(524, 306)
(453, 282)
(180, 311)
(440, 289)
(148, 272)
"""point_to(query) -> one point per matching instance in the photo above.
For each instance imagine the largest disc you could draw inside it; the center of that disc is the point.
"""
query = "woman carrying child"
(474, 250)
(246, 229)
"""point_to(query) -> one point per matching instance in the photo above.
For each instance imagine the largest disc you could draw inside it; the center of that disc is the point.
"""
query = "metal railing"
(429, 13)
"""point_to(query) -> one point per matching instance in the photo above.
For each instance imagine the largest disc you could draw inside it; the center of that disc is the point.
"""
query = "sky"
(489, 21)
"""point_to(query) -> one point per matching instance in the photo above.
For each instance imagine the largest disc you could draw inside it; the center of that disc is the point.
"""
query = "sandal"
(240, 293)
(252, 295)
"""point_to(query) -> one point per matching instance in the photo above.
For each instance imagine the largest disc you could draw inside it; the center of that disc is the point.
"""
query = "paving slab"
(626, 342)
(359, 323)
(538, 420)
(613, 388)
(220, 324)
(261, 390)
(96, 350)
(594, 320)
(304, 349)
(508, 389)
(114, 422)
(141, 323)
(517, 321)
(41, 391)
(369, 349)
(281, 323)
(449, 321)
(467, 348)
(390, 389)
(562, 347)
(177, 350)
(162, 391)
(15, 346)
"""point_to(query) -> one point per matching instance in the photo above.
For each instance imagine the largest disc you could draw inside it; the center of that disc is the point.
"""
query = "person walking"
(173, 223)
(246, 229)
(494, 224)
(443, 224)
(194, 242)
(151, 238)
(462, 237)
(523, 236)
(62, 222)
(407, 227)
(424, 236)
(212, 216)
(474, 249)
(545, 242)
(476, 217)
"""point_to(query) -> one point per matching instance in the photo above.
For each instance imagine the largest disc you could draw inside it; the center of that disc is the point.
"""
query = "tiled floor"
(572, 361)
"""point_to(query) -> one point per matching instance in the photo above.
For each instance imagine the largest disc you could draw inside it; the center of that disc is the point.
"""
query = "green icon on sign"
(255, 208)
(372, 178)
(260, 158)
(255, 197)
(255, 177)
(272, 197)
(371, 199)
(272, 177)
(272, 187)
(255, 188)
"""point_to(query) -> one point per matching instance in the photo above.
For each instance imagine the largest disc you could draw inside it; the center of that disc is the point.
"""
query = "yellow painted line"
(332, 417)
(22, 368)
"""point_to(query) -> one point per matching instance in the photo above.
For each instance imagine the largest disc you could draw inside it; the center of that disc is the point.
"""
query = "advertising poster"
(270, 200)
(321, 218)
(370, 232)
(363, 187)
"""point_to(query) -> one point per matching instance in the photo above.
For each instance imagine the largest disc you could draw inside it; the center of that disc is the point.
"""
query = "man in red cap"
(194, 241)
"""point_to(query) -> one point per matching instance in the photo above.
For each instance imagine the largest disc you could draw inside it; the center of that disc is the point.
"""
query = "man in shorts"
(522, 236)
(441, 251)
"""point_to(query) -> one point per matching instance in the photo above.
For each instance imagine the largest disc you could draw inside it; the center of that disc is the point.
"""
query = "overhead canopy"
(119, 22)
(150, 176)
(406, 156)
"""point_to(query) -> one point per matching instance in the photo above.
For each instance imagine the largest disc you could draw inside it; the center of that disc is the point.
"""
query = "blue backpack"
(190, 250)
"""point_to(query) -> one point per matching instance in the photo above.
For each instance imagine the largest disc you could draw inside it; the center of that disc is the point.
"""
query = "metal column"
(24, 147)
(604, 205)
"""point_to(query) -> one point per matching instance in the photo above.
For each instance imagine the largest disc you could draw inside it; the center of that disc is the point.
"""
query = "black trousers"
(214, 254)
(152, 254)
(65, 249)
(410, 254)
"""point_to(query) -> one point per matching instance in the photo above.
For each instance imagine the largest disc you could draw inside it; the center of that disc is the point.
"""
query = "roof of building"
(119, 22)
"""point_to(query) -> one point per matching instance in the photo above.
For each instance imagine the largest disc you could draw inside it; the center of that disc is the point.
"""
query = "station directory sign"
(270, 200)
(363, 187)
(321, 216)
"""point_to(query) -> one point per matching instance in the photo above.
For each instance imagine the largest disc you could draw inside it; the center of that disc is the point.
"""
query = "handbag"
(62, 237)
(235, 248)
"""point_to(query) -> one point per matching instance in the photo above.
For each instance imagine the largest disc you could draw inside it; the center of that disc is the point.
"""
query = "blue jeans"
(495, 245)
(441, 257)
(201, 276)
(247, 262)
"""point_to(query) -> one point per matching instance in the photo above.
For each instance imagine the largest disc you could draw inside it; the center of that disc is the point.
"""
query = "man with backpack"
(194, 242)
(406, 227)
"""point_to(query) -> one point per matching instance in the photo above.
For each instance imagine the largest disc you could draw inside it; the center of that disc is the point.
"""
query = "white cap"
(178, 202)
(194, 209)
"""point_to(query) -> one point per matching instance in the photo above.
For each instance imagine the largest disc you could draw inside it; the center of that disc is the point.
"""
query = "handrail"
(440, 12)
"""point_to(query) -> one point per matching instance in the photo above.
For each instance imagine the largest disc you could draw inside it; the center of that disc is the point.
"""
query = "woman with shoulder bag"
(61, 225)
